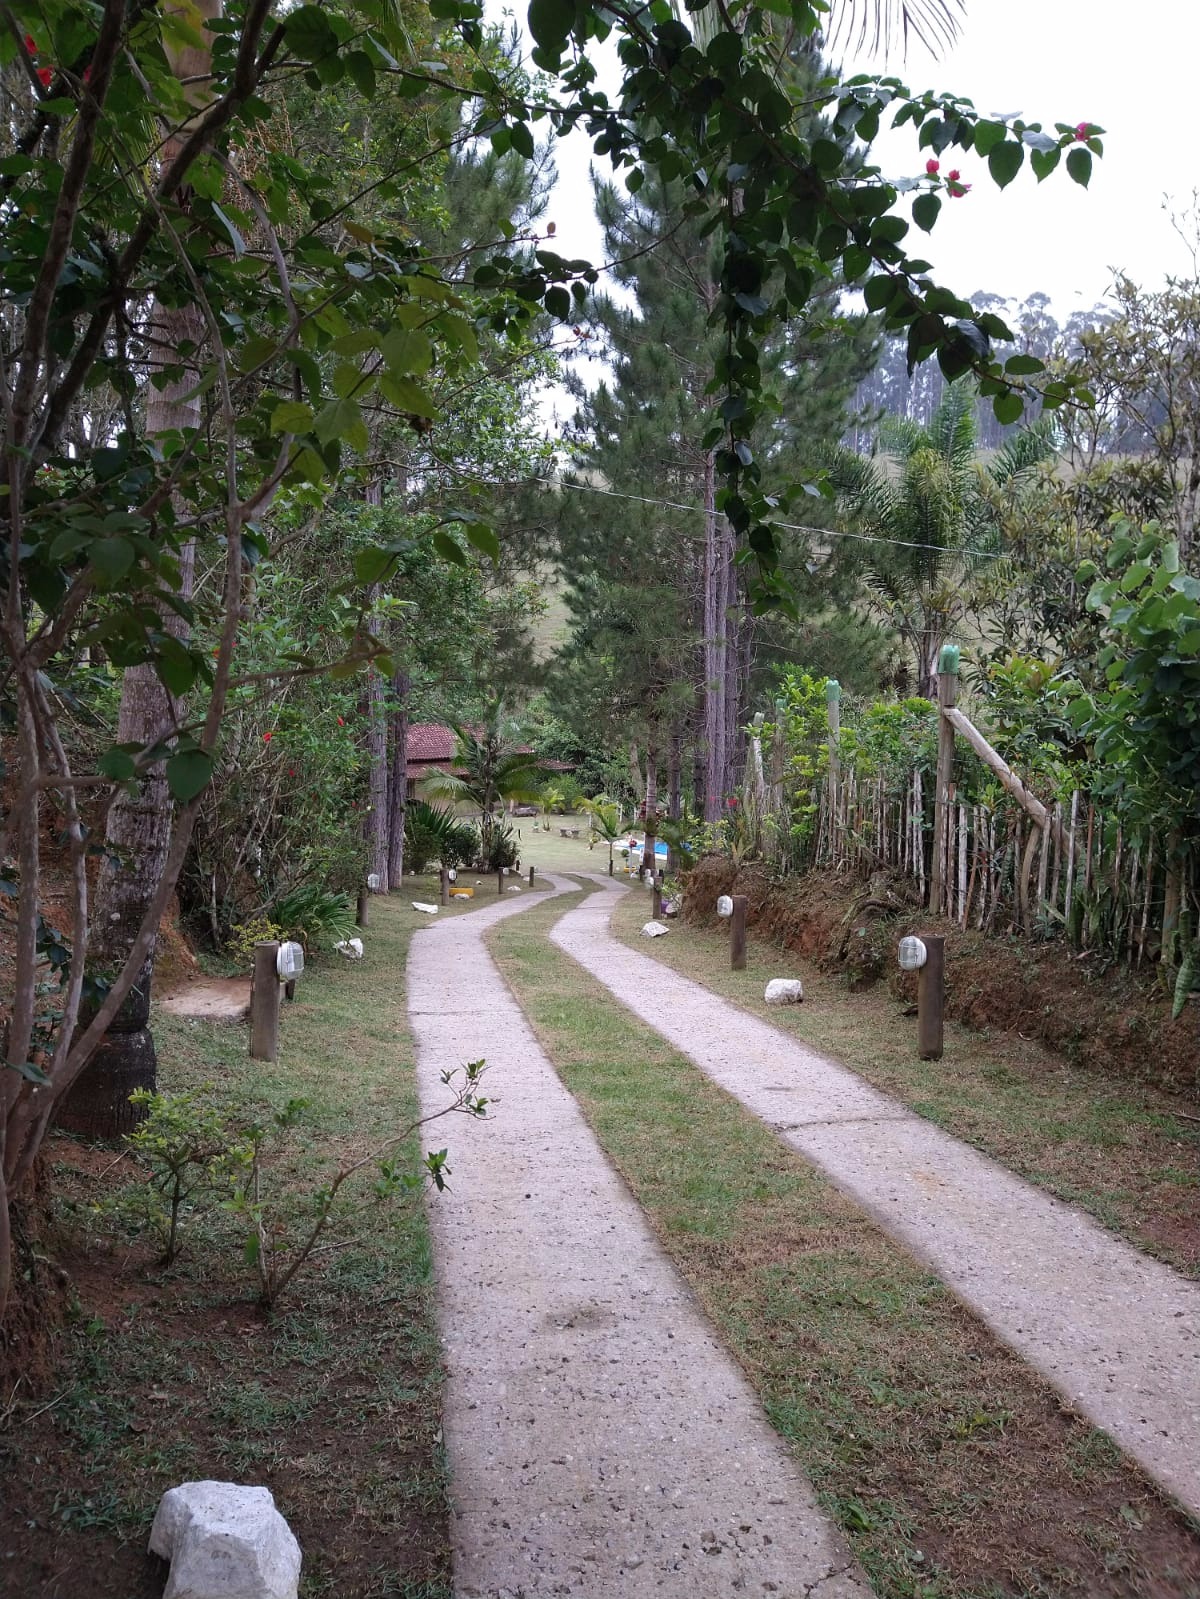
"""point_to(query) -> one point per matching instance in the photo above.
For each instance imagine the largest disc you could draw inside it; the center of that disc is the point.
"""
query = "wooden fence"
(1013, 865)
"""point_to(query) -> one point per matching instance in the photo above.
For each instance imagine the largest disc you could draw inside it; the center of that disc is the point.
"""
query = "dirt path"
(1117, 1333)
(601, 1442)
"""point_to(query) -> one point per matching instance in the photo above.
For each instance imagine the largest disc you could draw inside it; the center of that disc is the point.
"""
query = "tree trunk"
(648, 852)
(674, 774)
(138, 832)
(714, 647)
(377, 780)
(398, 785)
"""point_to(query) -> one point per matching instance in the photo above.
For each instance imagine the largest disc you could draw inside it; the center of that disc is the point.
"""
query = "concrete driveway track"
(1116, 1332)
(601, 1442)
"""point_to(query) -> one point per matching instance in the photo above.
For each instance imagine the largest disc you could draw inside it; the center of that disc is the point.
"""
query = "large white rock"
(654, 929)
(351, 948)
(225, 1541)
(420, 905)
(784, 991)
(513, 888)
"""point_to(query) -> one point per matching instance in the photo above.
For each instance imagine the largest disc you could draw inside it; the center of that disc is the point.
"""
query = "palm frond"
(874, 26)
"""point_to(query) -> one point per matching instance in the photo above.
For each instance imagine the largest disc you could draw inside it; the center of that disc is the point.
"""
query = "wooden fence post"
(264, 1003)
(445, 886)
(947, 698)
(656, 898)
(931, 997)
(833, 710)
(531, 877)
(360, 915)
(500, 880)
(737, 934)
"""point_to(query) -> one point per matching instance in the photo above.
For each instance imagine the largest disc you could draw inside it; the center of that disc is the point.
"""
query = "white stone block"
(225, 1541)
(420, 905)
(654, 930)
(513, 888)
(784, 991)
(351, 948)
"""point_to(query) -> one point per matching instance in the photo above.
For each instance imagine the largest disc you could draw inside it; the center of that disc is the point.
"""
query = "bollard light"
(289, 962)
(372, 880)
(725, 905)
(913, 954)
(452, 875)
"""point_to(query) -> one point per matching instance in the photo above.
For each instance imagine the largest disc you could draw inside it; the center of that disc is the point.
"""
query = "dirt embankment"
(1101, 1017)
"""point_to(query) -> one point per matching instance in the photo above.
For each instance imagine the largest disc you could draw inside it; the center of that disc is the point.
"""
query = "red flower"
(30, 44)
(953, 175)
(731, 800)
(45, 76)
(932, 166)
(291, 771)
(1081, 129)
(267, 737)
(341, 723)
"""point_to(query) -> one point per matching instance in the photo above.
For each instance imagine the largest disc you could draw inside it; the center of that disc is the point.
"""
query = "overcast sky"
(1132, 69)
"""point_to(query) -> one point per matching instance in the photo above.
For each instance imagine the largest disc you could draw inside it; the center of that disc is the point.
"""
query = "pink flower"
(1081, 129)
(932, 166)
(953, 174)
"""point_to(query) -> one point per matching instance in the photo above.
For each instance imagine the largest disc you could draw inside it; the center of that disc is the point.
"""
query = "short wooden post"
(656, 900)
(445, 886)
(500, 880)
(289, 990)
(947, 699)
(264, 1003)
(360, 915)
(931, 997)
(531, 877)
(737, 934)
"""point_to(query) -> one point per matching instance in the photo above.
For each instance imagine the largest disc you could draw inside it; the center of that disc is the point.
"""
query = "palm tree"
(605, 816)
(929, 509)
(494, 770)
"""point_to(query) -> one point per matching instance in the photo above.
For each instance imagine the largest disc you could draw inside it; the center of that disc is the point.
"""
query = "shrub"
(314, 915)
(433, 833)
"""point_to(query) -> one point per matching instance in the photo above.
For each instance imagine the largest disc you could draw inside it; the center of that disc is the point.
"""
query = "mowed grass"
(1120, 1150)
(953, 1470)
(332, 1400)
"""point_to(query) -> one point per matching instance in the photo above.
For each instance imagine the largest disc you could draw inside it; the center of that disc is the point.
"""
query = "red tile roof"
(427, 741)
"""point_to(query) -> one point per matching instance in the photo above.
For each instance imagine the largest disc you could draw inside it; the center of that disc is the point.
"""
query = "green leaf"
(29, 1071)
(112, 558)
(117, 764)
(1044, 162)
(235, 238)
(483, 538)
(408, 350)
(188, 772)
(308, 33)
(879, 292)
(1008, 407)
(449, 549)
(988, 135)
(362, 71)
(291, 416)
(1022, 365)
(1079, 165)
(342, 419)
(550, 22)
(925, 210)
(371, 564)
(521, 140)
(1004, 162)
(407, 396)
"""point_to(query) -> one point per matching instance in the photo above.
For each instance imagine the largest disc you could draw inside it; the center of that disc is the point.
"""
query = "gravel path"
(1116, 1332)
(601, 1442)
